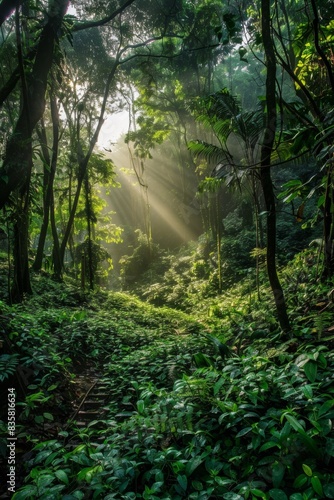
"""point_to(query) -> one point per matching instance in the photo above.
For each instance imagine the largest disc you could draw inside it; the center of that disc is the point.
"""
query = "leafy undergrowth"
(197, 409)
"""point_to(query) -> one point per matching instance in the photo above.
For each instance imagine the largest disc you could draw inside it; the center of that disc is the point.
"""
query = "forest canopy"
(229, 106)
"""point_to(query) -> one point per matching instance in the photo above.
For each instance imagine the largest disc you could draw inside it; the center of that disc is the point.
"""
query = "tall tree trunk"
(38, 262)
(49, 176)
(265, 174)
(14, 172)
(329, 226)
(89, 215)
(21, 284)
(56, 258)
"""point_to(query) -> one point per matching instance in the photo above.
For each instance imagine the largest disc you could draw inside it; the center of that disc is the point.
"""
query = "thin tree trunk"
(37, 265)
(83, 164)
(89, 221)
(329, 226)
(265, 174)
(49, 176)
(56, 259)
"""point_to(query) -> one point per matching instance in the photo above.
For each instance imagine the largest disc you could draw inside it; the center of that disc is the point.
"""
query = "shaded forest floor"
(215, 403)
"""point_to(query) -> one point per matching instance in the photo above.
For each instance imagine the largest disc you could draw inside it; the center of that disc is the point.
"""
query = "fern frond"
(210, 152)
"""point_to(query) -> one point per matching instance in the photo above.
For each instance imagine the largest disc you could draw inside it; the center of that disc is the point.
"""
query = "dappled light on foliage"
(166, 283)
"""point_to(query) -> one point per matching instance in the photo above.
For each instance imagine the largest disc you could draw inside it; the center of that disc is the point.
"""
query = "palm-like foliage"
(222, 114)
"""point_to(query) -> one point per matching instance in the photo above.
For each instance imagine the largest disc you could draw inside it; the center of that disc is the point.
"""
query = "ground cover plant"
(217, 406)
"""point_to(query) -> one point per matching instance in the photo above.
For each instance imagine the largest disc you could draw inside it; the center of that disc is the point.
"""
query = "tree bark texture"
(265, 173)
(48, 181)
(15, 169)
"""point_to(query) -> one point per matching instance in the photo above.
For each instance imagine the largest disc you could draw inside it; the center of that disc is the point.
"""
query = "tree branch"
(7, 7)
(103, 21)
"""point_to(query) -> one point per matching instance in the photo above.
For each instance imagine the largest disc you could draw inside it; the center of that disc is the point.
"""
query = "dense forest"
(167, 249)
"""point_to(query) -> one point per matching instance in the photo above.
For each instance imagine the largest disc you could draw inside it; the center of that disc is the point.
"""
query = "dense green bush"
(222, 407)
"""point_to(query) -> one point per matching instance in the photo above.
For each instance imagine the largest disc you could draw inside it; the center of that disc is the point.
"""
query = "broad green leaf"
(140, 406)
(183, 481)
(295, 424)
(243, 432)
(62, 476)
(51, 457)
(45, 480)
(277, 494)
(329, 490)
(197, 485)
(278, 471)
(307, 470)
(325, 425)
(26, 492)
(311, 370)
(192, 465)
(258, 493)
(325, 407)
(308, 391)
(268, 445)
(300, 481)
(317, 486)
(322, 361)
(330, 447)
(42, 455)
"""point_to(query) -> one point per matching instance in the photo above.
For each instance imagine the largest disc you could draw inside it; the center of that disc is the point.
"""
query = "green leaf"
(192, 465)
(308, 391)
(51, 457)
(292, 183)
(268, 445)
(140, 406)
(218, 385)
(277, 494)
(197, 485)
(26, 492)
(311, 370)
(321, 201)
(307, 470)
(243, 432)
(258, 493)
(48, 416)
(295, 424)
(329, 490)
(325, 426)
(299, 481)
(62, 476)
(202, 360)
(44, 480)
(232, 496)
(183, 481)
(278, 470)
(330, 447)
(317, 486)
(52, 387)
(325, 407)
